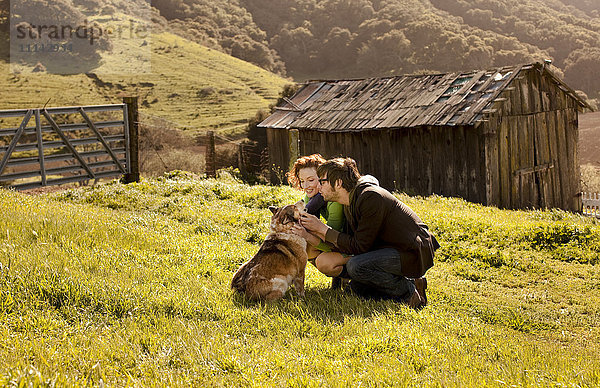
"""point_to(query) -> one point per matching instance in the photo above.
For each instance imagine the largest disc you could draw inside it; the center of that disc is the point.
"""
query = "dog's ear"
(273, 209)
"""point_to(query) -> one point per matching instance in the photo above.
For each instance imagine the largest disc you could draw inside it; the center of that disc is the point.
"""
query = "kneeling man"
(387, 249)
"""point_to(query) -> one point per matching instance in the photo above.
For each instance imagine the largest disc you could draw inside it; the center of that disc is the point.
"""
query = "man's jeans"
(378, 274)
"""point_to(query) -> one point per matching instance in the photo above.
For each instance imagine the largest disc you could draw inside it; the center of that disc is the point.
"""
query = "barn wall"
(279, 153)
(523, 154)
(533, 163)
(421, 161)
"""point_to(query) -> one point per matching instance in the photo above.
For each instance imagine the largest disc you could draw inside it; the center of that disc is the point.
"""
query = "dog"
(280, 261)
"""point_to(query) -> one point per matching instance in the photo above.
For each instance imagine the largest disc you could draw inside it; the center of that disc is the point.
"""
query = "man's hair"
(293, 176)
(343, 169)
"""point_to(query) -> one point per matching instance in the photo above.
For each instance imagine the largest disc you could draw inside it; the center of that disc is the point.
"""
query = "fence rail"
(68, 144)
(591, 204)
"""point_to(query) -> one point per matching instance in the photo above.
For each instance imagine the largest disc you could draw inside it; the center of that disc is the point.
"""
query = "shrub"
(551, 236)
(590, 178)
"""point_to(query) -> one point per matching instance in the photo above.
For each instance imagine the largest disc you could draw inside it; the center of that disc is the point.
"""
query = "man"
(390, 247)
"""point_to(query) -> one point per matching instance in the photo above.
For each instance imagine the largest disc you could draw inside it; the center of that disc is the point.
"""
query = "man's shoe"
(336, 283)
(415, 301)
(421, 286)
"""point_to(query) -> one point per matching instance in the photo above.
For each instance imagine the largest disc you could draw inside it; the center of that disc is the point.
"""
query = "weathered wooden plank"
(347, 144)
(414, 161)
(544, 158)
(379, 155)
(305, 142)
(438, 159)
(471, 154)
(423, 162)
(550, 140)
(362, 150)
(449, 163)
(405, 148)
(504, 163)
(544, 94)
(460, 162)
(428, 162)
(489, 134)
(533, 81)
(513, 107)
(574, 172)
(390, 146)
(529, 189)
(518, 188)
(388, 149)
(554, 149)
(562, 156)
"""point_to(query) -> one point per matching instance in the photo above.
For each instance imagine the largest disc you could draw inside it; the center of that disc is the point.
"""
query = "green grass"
(128, 285)
(191, 86)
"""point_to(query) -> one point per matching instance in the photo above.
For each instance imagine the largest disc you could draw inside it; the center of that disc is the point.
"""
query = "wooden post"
(211, 156)
(294, 147)
(241, 160)
(134, 140)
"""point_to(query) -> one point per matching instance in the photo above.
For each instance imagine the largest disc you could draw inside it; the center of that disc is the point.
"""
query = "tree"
(385, 54)
(337, 50)
(256, 145)
(582, 69)
(296, 47)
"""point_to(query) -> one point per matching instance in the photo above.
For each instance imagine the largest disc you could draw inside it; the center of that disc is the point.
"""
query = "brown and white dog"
(280, 261)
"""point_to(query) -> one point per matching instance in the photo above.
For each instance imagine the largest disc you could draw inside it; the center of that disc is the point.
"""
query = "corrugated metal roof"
(396, 102)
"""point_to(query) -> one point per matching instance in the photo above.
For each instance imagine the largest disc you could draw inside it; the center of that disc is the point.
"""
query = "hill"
(337, 39)
(192, 87)
(129, 286)
(589, 138)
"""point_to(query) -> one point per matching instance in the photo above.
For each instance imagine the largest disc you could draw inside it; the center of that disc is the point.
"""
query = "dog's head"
(285, 217)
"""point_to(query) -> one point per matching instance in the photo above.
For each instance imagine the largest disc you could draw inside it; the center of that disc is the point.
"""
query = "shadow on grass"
(322, 305)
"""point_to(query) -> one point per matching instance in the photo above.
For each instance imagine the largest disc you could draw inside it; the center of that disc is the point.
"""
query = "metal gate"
(64, 145)
(591, 204)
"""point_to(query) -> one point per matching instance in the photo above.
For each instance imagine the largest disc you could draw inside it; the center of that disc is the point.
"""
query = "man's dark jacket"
(376, 219)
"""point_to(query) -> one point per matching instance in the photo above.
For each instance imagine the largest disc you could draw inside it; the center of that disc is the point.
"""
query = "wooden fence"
(68, 144)
(591, 204)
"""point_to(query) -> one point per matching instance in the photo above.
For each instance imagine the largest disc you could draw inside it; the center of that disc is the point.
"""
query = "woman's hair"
(314, 161)
(344, 169)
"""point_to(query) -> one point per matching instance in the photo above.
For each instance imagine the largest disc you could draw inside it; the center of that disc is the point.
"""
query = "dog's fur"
(280, 261)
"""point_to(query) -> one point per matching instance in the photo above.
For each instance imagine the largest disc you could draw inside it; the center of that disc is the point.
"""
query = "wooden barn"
(505, 137)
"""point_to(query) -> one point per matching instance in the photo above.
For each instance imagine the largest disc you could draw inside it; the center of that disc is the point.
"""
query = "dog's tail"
(240, 279)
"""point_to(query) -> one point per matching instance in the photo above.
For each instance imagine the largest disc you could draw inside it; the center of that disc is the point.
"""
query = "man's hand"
(310, 238)
(313, 225)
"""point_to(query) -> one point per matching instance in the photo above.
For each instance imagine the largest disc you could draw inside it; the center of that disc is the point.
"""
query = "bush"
(590, 178)
(553, 235)
(163, 148)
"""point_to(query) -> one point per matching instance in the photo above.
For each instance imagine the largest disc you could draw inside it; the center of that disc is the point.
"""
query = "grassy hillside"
(191, 86)
(129, 286)
(589, 138)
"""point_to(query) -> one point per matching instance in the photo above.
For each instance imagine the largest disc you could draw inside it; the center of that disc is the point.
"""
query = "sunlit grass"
(129, 285)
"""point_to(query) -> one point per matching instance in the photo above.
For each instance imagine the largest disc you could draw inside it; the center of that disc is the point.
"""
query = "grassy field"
(120, 285)
(191, 86)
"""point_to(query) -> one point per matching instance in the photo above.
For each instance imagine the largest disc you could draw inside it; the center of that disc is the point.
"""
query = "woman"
(303, 176)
